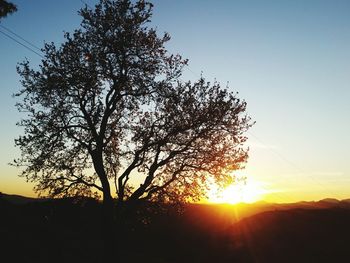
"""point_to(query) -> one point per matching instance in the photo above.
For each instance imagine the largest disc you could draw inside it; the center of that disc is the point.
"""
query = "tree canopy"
(108, 108)
(6, 8)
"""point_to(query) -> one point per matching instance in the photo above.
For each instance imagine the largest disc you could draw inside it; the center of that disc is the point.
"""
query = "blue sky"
(290, 60)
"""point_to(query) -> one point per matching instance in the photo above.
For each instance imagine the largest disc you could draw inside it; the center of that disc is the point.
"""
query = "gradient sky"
(290, 60)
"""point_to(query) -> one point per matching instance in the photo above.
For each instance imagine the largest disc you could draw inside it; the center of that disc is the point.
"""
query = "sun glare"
(241, 192)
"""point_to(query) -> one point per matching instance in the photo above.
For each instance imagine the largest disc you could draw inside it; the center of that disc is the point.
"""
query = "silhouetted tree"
(6, 8)
(107, 107)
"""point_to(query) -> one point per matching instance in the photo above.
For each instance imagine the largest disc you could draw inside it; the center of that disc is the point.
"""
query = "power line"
(28, 42)
(20, 43)
(82, 1)
(33, 46)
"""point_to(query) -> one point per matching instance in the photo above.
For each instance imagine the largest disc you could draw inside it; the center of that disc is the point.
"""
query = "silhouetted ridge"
(64, 230)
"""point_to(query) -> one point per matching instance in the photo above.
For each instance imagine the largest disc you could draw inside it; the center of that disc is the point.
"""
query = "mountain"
(297, 235)
(19, 199)
(330, 200)
(64, 230)
(222, 215)
(345, 200)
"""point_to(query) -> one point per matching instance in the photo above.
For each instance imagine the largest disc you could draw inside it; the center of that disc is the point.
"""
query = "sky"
(289, 60)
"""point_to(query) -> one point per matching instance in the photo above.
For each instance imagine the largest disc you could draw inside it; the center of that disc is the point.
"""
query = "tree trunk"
(108, 228)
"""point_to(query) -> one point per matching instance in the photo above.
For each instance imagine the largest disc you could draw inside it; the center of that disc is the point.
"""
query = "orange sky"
(289, 60)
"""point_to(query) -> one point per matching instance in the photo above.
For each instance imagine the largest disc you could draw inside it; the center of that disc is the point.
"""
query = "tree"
(6, 8)
(107, 107)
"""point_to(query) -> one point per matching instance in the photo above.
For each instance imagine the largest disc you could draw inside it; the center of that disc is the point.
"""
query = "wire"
(29, 43)
(82, 1)
(18, 42)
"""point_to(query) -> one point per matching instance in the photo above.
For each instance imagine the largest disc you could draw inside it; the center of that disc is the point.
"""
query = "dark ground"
(69, 231)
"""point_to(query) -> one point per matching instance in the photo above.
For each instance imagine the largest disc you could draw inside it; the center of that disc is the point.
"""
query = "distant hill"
(219, 216)
(222, 212)
(18, 199)
(63, 230)
(297, 235)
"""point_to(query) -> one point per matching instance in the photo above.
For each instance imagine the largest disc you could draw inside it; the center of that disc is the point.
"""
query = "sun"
(248, 191)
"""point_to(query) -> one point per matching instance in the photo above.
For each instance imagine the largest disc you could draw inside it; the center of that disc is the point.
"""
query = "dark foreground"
(69, 231)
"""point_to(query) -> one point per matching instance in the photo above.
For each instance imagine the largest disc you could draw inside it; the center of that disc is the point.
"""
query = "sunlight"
(241, 192)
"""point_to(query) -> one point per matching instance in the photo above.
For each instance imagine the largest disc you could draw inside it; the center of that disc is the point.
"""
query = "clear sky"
(290, 60)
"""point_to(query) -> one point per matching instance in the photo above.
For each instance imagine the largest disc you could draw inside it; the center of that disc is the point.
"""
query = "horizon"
(203, 202)
(288, 60)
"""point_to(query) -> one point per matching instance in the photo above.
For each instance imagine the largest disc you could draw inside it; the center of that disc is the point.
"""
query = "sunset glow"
(273, 55)
(175, 131)
(241, 192)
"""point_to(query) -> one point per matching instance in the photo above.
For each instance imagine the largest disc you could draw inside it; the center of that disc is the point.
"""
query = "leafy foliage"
(6, 8)
(108, 107)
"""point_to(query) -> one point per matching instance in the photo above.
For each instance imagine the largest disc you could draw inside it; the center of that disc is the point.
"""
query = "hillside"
(65, 230)
(19, 199)
(297, 235)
